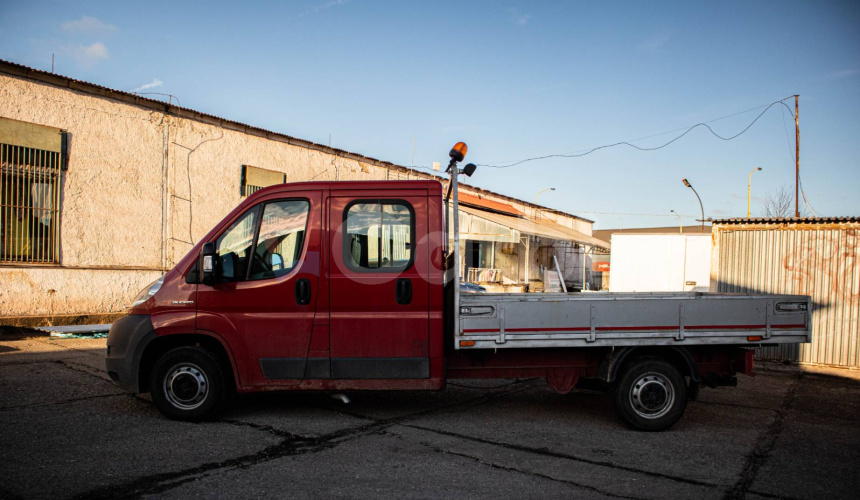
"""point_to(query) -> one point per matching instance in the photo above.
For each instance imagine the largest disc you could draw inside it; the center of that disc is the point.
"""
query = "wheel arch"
(160, 345)
(679, 357)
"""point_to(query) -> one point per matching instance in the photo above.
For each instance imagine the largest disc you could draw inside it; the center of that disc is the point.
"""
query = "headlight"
(148, 292)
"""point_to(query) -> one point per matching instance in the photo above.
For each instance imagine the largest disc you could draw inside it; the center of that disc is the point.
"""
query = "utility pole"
(796, 155)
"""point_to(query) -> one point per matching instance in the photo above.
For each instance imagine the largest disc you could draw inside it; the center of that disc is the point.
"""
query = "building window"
(379, 235)
(31, 160)
(255, 179)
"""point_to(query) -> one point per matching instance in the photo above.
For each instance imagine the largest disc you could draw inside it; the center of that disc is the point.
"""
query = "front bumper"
(126, 342)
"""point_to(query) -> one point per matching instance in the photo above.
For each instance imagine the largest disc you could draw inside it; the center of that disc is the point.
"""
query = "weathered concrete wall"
(509, 263)
(48, 292)
(111, 193)
(125, 209)
(123, 202)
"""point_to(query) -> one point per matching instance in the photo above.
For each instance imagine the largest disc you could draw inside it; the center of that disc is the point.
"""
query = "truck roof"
(347, 185)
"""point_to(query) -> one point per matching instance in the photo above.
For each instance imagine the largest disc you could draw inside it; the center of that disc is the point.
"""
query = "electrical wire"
(803, 195)
(629, 143)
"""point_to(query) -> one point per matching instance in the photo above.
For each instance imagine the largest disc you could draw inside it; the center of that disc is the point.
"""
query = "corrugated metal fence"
(817, 257)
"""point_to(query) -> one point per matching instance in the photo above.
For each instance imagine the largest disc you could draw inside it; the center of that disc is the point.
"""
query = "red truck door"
(263, 305)
(379, 292)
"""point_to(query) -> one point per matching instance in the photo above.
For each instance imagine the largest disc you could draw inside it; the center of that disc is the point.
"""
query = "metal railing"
(29, 205)
(484, 275)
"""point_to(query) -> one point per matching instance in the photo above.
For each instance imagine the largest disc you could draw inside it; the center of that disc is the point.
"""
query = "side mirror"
(276, 262)
(207, 264)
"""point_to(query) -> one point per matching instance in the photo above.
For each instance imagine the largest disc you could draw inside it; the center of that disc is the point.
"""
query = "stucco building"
(104, 190)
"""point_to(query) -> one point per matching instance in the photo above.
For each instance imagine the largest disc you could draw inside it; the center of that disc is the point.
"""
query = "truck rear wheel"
(650, 394)
(188, 384)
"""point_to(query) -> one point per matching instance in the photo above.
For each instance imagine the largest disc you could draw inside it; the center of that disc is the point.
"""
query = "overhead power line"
(630, 143)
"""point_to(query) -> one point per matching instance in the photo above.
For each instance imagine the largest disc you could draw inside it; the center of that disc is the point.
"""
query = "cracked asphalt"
(68, 432)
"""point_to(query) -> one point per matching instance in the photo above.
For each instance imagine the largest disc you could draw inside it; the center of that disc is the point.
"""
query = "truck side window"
(379, 235)
(280, 243)
(234, 247)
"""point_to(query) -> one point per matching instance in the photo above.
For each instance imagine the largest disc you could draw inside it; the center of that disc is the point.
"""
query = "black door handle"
(403, 290)
(303, 292)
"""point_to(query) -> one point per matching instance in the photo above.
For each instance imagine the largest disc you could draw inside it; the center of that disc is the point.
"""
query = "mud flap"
(562, 380)
(742, 362)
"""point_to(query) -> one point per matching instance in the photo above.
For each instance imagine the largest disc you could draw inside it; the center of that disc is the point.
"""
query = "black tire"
(650, 394)
(188, 384)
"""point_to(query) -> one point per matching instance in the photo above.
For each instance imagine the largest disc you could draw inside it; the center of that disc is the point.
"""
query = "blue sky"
(514, 80)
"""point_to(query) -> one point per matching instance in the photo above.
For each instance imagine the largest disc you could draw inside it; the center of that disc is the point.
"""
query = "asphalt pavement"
(68, 432)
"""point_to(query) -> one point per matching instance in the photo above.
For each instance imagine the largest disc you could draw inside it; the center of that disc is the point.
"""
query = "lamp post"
(541, 192)
(680, 222)
(749, 189)
(687, 183)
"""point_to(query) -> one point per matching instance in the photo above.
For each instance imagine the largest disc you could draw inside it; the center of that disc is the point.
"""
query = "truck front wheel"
(188, 384)
(650, 394)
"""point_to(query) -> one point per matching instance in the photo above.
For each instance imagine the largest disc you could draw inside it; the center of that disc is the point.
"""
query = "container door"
(263, 305)
(379, 289)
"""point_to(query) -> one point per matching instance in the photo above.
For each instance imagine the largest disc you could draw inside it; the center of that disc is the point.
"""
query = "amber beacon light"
(458, 152)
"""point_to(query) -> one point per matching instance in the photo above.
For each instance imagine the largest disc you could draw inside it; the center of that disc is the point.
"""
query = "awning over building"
(483, 203)
(475, 226)
(489, 226)
(575, 236)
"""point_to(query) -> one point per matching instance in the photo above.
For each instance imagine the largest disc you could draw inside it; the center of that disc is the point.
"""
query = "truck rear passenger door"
(379, 290)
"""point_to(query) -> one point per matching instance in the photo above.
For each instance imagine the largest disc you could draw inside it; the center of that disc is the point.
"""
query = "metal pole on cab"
(457, 154)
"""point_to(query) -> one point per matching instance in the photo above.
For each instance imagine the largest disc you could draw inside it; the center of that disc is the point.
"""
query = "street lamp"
(536, 197)
(542, 191)
(680, 222)
(687, 183)
(749, 190)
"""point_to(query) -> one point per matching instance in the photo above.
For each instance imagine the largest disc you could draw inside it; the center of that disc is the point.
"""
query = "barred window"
(31, 159)
(255, 179)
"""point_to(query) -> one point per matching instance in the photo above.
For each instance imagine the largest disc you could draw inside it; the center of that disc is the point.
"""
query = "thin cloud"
(89, 26)
(328, 5)
(845, 73)
(322, 7)
(88, 55)
(519, 18)
(654, 43)
(739, 197)
(151, 85)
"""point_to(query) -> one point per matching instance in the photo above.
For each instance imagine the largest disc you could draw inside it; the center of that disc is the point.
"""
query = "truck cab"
(327, 286)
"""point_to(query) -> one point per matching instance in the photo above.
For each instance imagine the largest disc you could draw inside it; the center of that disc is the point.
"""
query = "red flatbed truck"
(336, 286)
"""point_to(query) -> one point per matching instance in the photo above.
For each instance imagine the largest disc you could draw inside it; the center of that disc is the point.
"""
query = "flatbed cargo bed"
(496, 321)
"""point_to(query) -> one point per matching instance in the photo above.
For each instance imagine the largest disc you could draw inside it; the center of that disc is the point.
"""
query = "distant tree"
(780, 203)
